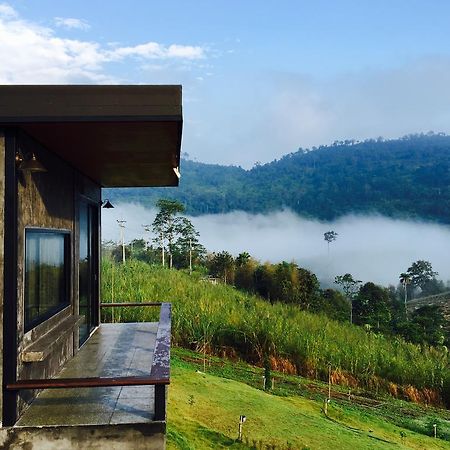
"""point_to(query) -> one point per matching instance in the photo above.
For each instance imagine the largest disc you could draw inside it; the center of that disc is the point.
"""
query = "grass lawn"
(204, 410)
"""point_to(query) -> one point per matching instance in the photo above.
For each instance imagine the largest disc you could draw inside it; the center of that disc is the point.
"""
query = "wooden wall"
(2, 221)
(48, 200)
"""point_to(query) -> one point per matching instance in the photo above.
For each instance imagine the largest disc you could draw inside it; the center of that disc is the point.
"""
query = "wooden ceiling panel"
(119, 136)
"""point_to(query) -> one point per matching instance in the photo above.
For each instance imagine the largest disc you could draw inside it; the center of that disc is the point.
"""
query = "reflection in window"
(46, 275)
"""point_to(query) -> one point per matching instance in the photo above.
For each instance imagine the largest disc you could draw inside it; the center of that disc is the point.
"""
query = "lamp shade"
(32, 165)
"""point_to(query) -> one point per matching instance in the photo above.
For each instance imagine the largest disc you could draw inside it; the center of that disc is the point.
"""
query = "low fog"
(371, 248)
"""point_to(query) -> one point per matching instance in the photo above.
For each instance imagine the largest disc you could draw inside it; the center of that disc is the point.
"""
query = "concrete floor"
(124, 349)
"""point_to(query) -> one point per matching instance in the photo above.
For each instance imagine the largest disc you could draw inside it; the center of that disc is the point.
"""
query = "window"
(46, 274)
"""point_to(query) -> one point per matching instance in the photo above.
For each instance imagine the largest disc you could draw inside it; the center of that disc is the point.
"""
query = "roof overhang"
(119, 136)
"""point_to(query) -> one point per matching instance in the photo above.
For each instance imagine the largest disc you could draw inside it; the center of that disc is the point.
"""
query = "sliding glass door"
(88, 268)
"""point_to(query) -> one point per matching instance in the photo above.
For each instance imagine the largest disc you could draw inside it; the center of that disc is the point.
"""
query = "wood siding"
(48, 200)
(2, 236)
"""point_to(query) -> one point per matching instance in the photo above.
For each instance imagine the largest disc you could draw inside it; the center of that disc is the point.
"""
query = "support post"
(160, 402)
(10, 282)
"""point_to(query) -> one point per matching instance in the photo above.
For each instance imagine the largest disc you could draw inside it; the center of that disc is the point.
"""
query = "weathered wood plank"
(161, 356)
(84, 102)
(124, 304)
(58, 383)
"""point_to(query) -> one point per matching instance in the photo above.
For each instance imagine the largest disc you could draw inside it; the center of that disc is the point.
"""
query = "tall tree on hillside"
(285, 283)
(187, 244)
(371, 306)
(242, 259)
(421, 274)
(350, 286)
(308, 289)
(245, 272)
(334, 304)
(265, 281)
(222, 266)
(330, 236)
(426, 325)
(167, 225)
(405, 280)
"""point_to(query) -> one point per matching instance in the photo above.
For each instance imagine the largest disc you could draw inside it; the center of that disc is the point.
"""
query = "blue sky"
(260, 79)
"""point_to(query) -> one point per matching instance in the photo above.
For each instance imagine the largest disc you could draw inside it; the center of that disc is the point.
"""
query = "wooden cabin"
(59, 146)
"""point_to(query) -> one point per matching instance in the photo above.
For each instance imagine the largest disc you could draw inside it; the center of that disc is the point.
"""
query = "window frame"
(67, 235)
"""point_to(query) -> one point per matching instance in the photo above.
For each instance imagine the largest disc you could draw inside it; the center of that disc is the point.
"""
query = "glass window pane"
(46, 281)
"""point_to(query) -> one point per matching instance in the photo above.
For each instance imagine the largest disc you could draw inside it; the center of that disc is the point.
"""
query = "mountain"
(406, 178)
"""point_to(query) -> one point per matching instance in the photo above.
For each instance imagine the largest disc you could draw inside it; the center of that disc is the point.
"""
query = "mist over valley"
(370, 247)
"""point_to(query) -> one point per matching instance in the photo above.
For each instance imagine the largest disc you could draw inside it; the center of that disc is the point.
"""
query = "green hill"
(218, 319)
(204, 408)
(378, 386)
(408, 178)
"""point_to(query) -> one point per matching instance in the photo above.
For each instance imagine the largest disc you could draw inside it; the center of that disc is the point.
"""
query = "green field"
(209, 393)
(219, 319)
(204, 409)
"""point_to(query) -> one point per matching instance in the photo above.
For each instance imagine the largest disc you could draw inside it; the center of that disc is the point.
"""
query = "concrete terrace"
(114, 350)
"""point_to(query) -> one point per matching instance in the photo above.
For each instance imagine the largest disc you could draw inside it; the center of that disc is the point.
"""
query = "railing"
(159, 372)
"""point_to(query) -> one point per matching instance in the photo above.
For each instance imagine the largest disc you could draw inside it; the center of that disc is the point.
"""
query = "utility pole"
(162, 248)
(405, 279)
(190, 256)
(122, 237)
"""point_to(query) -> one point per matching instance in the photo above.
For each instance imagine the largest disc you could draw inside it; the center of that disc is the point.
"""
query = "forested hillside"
(407, 177)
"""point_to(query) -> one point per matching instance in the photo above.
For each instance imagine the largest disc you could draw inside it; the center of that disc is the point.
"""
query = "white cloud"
(153, 50)
(33, 54)
(185, 51)
(7, 11)
(71, 23)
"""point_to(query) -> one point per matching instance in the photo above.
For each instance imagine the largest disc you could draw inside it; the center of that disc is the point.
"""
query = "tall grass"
(220, 318)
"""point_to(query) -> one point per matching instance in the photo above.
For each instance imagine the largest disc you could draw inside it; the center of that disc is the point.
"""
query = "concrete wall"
(2, 221)
(94, 437)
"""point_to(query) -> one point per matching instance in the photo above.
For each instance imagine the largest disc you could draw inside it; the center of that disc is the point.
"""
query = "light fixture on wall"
(177, 172)
(107, 204)
(29, 163)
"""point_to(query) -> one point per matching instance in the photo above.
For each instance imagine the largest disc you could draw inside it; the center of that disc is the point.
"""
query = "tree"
(265, 281)
(371, 306)
(350, 287)
(119, 251)
(421, 272)
(432, 287)
(330, 236)
(187, 245)
(427, 325)
(167, 226)
(308, 288)
(242, 259)
(285, 286)
(430, 321)
(334, 304)
(245, 272)
(405, 279)
(222, 266)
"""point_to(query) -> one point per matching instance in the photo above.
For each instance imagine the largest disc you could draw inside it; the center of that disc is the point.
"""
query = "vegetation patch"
(204, 411)
(220, 319)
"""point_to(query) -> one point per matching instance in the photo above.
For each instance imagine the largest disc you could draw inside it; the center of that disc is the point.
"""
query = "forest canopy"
(406, 178)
